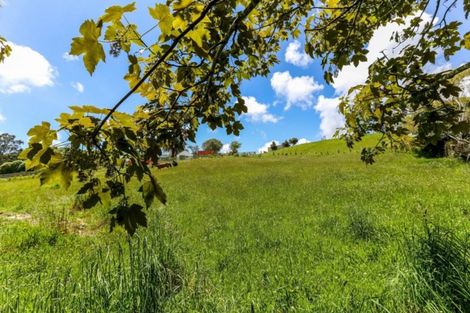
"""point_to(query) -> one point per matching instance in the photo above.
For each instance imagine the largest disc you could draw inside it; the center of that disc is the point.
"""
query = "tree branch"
(170, 49)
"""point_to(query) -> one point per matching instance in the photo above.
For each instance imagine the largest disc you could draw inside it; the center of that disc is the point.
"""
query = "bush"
(12, 167)
(459, 149)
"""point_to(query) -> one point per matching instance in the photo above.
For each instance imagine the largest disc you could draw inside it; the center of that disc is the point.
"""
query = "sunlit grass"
(313, 230)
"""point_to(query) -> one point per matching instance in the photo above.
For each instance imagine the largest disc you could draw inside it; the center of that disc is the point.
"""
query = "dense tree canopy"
(293, 141)
(234, 146)
(213, 144)
(10, 147)
(189, 66)
(273, 146)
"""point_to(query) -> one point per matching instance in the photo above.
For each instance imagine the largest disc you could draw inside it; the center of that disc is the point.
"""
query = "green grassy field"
(307, 229)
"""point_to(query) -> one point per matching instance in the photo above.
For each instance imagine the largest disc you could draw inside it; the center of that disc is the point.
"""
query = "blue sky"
(293, 101)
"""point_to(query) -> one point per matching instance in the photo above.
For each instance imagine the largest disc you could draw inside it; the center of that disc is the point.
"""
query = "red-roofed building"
(205, 153)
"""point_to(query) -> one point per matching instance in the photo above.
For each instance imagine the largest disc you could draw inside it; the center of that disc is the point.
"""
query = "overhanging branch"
(170, 49)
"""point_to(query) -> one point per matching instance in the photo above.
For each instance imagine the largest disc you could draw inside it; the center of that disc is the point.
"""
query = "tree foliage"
(12, 167)
(234, 146)
(10, 147)
(293, 141)
(213, 144)
(399, 90)
(452, 138)
(189, 66)
(5, 49)
(273, 146)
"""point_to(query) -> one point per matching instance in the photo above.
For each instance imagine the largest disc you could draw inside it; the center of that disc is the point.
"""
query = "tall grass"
(439, 263)
(313, 232)
(140, 276)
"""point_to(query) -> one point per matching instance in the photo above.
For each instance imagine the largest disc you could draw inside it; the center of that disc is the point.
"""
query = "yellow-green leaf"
(466, 40)
(42, 134)
(162, 13)
(88, 109)
(198, 34)
(88, 45)
(115, 12)
(58, 173)
(181, 4)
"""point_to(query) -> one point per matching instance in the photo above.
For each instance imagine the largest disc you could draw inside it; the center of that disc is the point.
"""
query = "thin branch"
(232, 29)
(156, 65)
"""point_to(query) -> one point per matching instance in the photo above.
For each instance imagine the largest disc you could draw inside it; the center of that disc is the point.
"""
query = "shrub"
(459, 149)
(12, 167)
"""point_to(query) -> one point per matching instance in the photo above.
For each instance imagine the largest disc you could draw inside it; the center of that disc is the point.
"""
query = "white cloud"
(302, 141)
(78, 87)
(265, 147)
(69, 58)
(16, 89)
(258, 112)
(225, 148)
(25, 69)
(379, 44)
(465, 86)
(298, 91)
(433, 69)
(295, 56)
(330, 117)
(2, 118)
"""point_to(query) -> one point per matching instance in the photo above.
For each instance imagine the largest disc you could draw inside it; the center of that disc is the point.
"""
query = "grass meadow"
(304, 229)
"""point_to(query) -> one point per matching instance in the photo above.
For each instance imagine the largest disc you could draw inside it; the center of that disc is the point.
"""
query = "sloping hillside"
(328, 146)
(316, 231)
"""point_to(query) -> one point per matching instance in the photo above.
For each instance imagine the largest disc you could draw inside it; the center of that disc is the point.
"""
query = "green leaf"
(450, 90)
(86, 188)
(240, 106)
(88, 45)
(91, 201)
(116, 188)
(148, 193)
(151, 189)
(162, 13)
(328, 76)
(128, 217)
